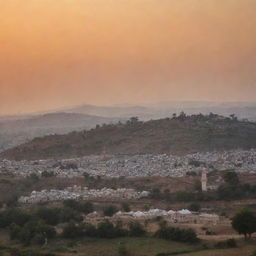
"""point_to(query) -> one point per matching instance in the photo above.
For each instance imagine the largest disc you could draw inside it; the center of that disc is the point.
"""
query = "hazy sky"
(67, 52)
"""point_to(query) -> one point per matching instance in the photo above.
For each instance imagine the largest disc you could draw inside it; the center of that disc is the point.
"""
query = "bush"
(73, 204)
(34, 177)
(110, 210)
(14, 215)
(49, 215)
(67, 214)
(231, 178)
(46, 174)
(136, 229)
(107, 230)
(33, 230)
(194, 163)
(126, 207)
(194, 207)
(72, 230)
(104, 230)
(210, 233)
(85, 207)
(89, 230)
(177, 234)
(155, 193)
(230, 243)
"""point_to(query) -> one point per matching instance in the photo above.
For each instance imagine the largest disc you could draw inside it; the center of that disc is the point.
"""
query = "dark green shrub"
(177, 234)
(110, 210)
(126, 207)
(194, 207)
(136, 229)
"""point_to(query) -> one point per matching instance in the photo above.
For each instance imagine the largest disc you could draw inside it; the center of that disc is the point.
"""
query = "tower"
(204, 180)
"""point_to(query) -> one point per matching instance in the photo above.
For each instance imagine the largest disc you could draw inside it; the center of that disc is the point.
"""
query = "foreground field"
(245, 250)
(134, 246)
(147, 247)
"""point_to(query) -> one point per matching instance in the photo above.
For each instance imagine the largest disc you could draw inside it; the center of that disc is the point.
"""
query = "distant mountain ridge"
(243, 110)
(111, 111)
(14, 132)
(178, 135)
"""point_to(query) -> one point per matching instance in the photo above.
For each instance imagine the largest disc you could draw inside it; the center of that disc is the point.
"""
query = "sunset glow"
(56, 53)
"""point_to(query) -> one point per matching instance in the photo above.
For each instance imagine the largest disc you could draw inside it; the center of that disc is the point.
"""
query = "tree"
(233, 117)
(33, 230)
(47, 174)
(33, 176)
(198, 185)
(14, 231)
(45, 232)
(231, 178)
(194, 207)
(50, 215)
(177, 234)
(133, 121)
(72, 230)
(71, 203)
(106, 230)
(136, 229)
(182, 116)
(126, 207)
(244, 223)
(14, 215)
(86, 175)
(67, 214)
(87, 207)
(155, 193)
(110, 210)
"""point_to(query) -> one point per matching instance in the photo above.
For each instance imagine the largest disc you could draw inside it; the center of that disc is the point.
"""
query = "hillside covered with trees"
(180, 134)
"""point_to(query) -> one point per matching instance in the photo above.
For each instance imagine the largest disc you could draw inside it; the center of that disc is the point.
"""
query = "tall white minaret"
(204, 180)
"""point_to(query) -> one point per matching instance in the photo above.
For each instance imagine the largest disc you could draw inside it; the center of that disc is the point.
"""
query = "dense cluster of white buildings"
(79, 193)
(180, 216)
(135, 166)
(152, 213)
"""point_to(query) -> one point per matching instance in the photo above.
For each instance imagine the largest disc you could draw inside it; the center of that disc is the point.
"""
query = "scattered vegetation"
(179, 134)
(177, 234)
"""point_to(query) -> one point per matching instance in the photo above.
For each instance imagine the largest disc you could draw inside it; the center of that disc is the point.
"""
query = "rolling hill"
(178, 135)
(22, 129)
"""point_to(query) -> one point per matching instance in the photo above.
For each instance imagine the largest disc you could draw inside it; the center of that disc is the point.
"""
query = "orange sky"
(55, 53)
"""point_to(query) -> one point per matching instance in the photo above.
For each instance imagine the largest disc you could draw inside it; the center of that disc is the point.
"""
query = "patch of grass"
(244, 250)
(136, 246)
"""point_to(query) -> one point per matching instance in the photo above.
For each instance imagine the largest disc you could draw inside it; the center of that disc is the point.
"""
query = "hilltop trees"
(182, 133)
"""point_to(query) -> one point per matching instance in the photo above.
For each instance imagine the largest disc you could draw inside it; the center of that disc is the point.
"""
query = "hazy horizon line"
(125, 104)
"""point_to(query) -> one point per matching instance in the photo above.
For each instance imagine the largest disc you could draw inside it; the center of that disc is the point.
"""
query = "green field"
(109, 247)
(135, 247)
